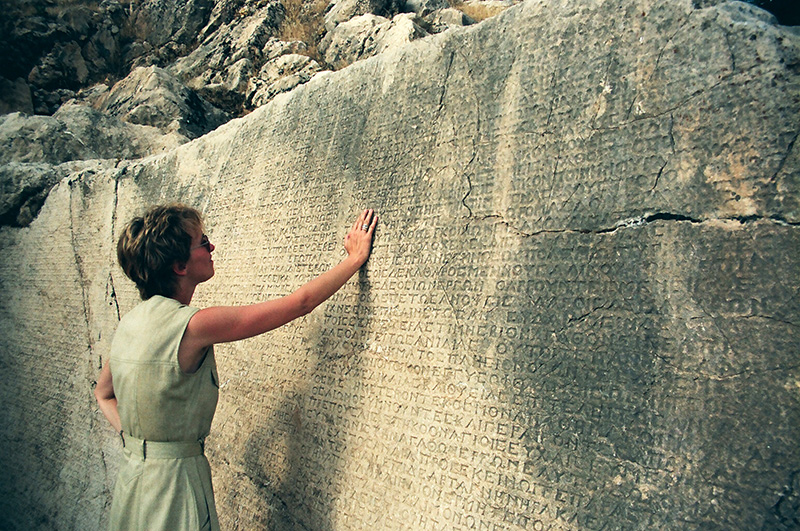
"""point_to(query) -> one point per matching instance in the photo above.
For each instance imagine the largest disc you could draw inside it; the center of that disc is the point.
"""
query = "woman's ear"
(179, 268)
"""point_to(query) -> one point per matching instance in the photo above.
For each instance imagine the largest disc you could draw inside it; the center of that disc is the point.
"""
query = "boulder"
(24, 187)
(41, 139)
(78, 132)
(109, 137)
(152, 96)
(343, 10)
(366, 36)
(482, 9)
(64, 66)
(223, 12)
(274, 48)
(63, 47)
(280, 74)
(23, 190)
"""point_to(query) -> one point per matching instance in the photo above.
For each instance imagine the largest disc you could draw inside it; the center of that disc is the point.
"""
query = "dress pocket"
(200, 514)
(129, 471)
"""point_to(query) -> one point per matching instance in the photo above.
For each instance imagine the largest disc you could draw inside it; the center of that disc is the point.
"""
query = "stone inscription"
(548, 333)
(476, 377)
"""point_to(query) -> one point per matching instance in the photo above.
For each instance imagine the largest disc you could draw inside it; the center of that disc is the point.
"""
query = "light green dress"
(164, 482)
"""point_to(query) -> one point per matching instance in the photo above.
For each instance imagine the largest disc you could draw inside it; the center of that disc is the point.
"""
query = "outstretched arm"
(223, 324)
(106, 399)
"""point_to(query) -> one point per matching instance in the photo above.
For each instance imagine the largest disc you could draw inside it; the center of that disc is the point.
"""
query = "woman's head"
(151, 245)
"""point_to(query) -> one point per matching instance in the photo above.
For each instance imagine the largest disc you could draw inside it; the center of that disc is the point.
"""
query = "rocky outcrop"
(164, 30)
(77, 132)
(221, 67)
(281, 74)
(580, 310)
(367, 35)
(151, 96)
(216, 47)
(59, 47)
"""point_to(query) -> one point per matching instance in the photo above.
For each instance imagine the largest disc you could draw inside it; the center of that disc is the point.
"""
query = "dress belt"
(144, 449)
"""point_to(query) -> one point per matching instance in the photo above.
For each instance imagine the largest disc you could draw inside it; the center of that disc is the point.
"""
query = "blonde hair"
(152, 244)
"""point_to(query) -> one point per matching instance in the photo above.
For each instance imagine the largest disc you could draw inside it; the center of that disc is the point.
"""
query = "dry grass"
(304, 21)
(477, 12)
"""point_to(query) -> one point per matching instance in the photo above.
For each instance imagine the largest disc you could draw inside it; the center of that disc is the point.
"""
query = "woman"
(159, 388)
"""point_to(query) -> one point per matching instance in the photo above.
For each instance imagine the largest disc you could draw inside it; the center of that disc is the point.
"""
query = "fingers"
(367, 218)
(365, 222)
(359, 222)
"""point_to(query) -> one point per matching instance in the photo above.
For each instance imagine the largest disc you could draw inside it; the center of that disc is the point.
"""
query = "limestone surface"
(580, 312)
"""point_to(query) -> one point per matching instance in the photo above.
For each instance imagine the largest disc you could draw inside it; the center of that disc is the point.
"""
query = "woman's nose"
(210, 247)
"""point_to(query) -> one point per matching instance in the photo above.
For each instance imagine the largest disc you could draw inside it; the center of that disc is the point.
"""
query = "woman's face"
(200, 266)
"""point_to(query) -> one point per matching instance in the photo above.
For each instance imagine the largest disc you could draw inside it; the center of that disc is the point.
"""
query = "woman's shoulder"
(158, 310)
(153, 326)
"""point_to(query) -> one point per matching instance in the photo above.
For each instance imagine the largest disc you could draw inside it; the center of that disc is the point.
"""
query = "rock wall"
(581, 311)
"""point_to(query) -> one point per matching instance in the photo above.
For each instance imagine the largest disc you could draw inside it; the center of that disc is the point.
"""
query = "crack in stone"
(569, 197)
(553, 86)
(667, 43)
(740, 374)
(658, 175)
(658, 62)
(584, 316)
(475, 140)
(79, 268)
(444, 83)
(555, 172)
(667, 111)
(769, 318)
(444, 292)
(649, 116)
(469, 189)
(672, 132)
(715, 321)
(729, 46)
(472, 357)
(783, 160)
(111, 292)
(641, 221)
(672, 147)
(110, 281)
(605, 84)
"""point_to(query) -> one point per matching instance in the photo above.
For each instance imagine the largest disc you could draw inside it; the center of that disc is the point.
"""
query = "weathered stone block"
(581, 310)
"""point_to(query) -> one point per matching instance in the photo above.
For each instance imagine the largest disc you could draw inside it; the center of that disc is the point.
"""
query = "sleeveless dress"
(164, 482)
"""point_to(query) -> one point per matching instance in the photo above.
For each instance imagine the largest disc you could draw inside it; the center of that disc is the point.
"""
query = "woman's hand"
(358, 242)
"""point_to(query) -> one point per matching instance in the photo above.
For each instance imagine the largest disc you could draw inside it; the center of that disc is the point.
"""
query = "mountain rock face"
(580, 312)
